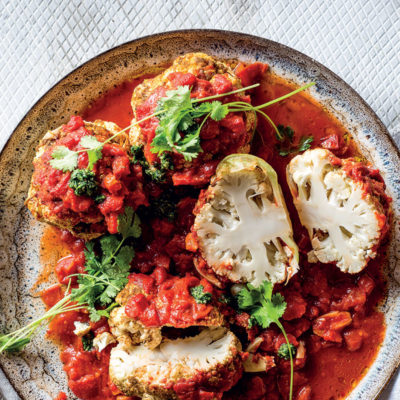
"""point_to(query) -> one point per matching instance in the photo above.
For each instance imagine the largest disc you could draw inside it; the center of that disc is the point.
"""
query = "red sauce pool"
(332, 372)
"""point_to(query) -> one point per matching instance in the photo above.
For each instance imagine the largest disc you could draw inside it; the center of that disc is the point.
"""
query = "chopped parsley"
(156, 172)
(200, 295)
(87, 341)
(284, 349)
(84, 183)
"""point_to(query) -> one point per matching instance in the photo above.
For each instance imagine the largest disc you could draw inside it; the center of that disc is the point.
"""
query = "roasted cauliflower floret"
(128, 325)
(209, 362)
(206, 76)
(242, 226)
(53, 199)
(343, 206)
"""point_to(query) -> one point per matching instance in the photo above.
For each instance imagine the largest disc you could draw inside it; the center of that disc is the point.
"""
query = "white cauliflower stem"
(243, 228)
(343, 221)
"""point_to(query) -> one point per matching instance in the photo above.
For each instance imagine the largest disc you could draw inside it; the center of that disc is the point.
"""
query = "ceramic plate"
(37, 373)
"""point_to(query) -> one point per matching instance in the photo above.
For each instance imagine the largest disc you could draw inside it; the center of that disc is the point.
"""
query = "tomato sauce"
(166, 300)
(331, 314)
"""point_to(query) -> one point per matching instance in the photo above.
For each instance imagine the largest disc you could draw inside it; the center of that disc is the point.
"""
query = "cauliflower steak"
(343, 206)
(242, 226)
(51, 198)
(129, 324)
(206, 76)
(209, 362)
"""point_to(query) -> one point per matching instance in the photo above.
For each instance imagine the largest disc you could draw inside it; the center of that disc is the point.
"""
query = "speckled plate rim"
(334, 93)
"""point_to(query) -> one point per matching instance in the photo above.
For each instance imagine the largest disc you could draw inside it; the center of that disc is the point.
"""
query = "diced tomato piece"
(280, 340)
(112, 223)
(331, 142)
(202, 88)
(296, 306)
(74, 123)
(209, 130)
(234, 123)
(65, 267)
(136, 305)
(221, 84)
(330, 325)
(354, 338)
(181, 79)
(112, 184)
(52, 295)
(61, 396)
(121, 166)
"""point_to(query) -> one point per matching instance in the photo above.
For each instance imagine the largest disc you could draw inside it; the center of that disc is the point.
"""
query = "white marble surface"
(41, 41)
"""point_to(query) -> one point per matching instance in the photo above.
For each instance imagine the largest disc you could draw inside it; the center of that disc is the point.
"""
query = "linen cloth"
(41, 41)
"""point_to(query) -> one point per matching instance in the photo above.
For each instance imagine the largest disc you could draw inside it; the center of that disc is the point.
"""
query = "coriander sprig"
(105, 277)
(178, 128)
(265, 308)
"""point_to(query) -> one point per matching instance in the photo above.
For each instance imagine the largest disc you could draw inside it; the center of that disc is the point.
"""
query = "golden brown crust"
(42, 212)
(197, 64)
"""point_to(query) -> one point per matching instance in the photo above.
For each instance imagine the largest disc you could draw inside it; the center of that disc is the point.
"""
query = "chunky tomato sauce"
(218, 139)
(330, 315)
(166, 300)
(118, 182)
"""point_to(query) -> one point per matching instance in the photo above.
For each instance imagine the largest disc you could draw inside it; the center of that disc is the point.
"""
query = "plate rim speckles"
(19, 233)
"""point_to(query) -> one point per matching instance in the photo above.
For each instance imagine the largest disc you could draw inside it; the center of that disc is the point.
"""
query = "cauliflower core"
(242, 225)
(343, 220)
(209, 361)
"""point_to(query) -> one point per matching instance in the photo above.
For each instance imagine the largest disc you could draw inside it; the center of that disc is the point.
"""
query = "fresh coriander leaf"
(278, 306)
(90, 142)
(160, 143)
(129, 224)
(305, 143)
(94, 149)
(125, 257)
(286, 132)
(64, 159)
(109, 244)
(189, 146)
(218, 111)
(284, 349)
(87, 341)
(200, 295)
(260, 316)
(248, 297)
(94, 314)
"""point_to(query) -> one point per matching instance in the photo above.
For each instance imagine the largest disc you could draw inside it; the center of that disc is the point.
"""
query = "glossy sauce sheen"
(331, 371)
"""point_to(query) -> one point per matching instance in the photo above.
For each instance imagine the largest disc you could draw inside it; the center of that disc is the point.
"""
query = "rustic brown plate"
(37, 372)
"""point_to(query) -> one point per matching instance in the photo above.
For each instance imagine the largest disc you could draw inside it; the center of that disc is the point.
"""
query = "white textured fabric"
(41, 41)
